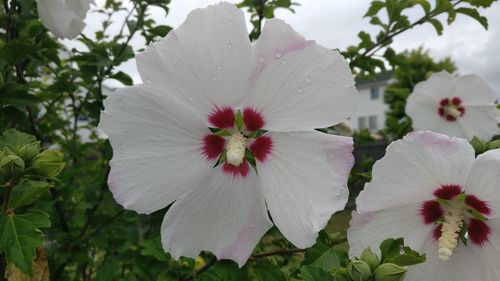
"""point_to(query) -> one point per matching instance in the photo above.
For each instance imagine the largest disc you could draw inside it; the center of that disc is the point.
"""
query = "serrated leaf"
(426, 6)
(124, 78)
(268, 272)
(375, 7)
(21, 236)
(15, 138)
(437, 25)
(314, 273)
(473, 13)
(26, 192)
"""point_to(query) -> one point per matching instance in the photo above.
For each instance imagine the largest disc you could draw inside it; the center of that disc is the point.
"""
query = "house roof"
(380, 78)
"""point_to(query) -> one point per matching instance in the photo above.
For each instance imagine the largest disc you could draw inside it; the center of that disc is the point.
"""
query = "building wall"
(370, 106)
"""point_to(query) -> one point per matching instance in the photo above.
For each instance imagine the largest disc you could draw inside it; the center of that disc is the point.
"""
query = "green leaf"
(375, 7)
(437, 25)
(331, 259)
(160, 30)
(21, 236)
(394, 251)
(153, 248)
(17, 94)
(366, 41)
(314, 273)
(473, 13)
(424, 4)
(266, 271)
(493, 145)
(123, 78)
(26, 192)
(391, 248)
(14, 138)
(223, 270)
(481, 3)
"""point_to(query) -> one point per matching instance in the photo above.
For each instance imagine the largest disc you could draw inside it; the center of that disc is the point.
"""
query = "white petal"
(480, 121)
(305, 181)
(423, 110)
(438, 85)
(413, 168)
(156, 148)
(276, 40)
(206, 61)
(371, 229)
(472, 90)
(484, 178)
(63, 18)
(466, 264)
(298, 84)
(228, 217)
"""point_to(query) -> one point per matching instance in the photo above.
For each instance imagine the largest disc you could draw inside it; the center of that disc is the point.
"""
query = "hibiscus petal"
(467, 262)
(480, 121)
(205, 62)
(413, 168)
(304, 180)
(423, 107)
(157, 148)
(228, 217)
(371, 229)
(472, 90)
(276, 40)
(298, 85)
(484, 178)
(63, 19)
(438, 85)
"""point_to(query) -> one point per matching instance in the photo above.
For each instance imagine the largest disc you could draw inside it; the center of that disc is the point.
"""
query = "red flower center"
(236, 135)
(451, 109)
(450, 198)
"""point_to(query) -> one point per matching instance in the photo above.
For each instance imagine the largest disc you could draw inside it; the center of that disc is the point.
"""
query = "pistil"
(453, 223)
(235, 149)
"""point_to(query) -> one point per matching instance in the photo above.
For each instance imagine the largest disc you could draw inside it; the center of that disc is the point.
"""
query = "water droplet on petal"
(229, 22)
(308, 79)
(214, 78)
(237, 54)
(278, 54)
(299, 90)
(229, 46)
(283, 62)
(261, 58)
(219, 67)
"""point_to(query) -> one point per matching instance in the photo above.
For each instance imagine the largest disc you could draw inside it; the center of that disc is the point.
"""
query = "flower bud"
(49, 163)
(370, 258)
(359, 270)
(29, 151)
(390, 272)
(11, 165)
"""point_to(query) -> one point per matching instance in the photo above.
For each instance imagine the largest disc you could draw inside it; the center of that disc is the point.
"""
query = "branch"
(201, 270)
(277, 252)
(379, 44)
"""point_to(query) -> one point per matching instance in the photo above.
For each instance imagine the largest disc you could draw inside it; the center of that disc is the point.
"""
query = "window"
(362, 124)
(374, 93)
(373, 123)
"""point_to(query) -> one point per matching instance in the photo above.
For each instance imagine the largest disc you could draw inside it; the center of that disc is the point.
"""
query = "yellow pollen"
(453, 111)
(235, 149)
(449, 233)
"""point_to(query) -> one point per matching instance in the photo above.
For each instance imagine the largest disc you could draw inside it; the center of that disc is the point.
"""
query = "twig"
(277, 252)
(202, 269)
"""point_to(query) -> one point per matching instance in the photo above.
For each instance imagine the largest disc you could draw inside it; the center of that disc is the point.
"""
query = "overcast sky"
(336, 23)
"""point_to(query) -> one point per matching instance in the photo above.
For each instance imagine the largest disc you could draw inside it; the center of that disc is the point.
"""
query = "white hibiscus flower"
(428, 189)
(263, 101)
(455, 106)
(64, 18)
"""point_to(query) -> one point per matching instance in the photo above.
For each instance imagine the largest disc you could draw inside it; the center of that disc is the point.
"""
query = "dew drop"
(283, 62)
(190, 98)
(299, 90)
(229, 46)
(278, 54)
(261, 58)
(229, 22)
(219, 67)
(237, 55)
(214, 78)
(308, 79)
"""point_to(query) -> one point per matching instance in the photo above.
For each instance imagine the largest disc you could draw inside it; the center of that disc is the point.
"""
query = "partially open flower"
(455, 106)
(64, 18)
(225, 128)
(431, 191)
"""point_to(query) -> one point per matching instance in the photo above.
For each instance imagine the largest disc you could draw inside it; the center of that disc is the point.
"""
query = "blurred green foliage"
(55, 94)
